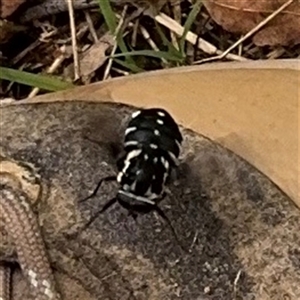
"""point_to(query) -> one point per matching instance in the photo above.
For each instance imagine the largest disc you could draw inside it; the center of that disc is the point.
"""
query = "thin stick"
(74, 40)
(57, 62)
(259, 26)
(250, 33)
(91, 26)
(194, 240)
(110, 61)
(134, 33)
(152, 44)
(237, 278)
(191, 37)
(175, 4)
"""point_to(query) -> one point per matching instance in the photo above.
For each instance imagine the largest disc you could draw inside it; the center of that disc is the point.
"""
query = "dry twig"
(57, 62)
(74, 40)
(91, 26)
(110, 61)
(175, 4)
(191, 37)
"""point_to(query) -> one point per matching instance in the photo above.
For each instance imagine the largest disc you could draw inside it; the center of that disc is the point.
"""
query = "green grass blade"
(40, 81)
(188, 24)
(110, 19)
(108, 14)
(132, 67)
(157, 54)
(166, 42)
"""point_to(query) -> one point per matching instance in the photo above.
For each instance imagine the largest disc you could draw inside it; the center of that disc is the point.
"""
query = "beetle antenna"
(94, 193)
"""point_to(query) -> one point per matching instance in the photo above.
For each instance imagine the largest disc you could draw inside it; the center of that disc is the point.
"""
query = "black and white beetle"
(152, 147)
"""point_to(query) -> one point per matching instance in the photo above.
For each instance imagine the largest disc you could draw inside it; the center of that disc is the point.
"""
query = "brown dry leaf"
(7, 7)
(241, 16)
(95, 57)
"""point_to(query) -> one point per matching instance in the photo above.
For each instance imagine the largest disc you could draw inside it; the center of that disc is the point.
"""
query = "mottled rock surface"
(240, 233)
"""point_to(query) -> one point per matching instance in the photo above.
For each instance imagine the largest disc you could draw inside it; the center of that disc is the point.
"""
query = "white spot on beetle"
(160, 113)
(153, 146)
(132, 154)
(130, 129)
(135, 114)
(119, 177)
(160, 122)
(165, 163)
(165, 177)
(131, 143)
(156, 132)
